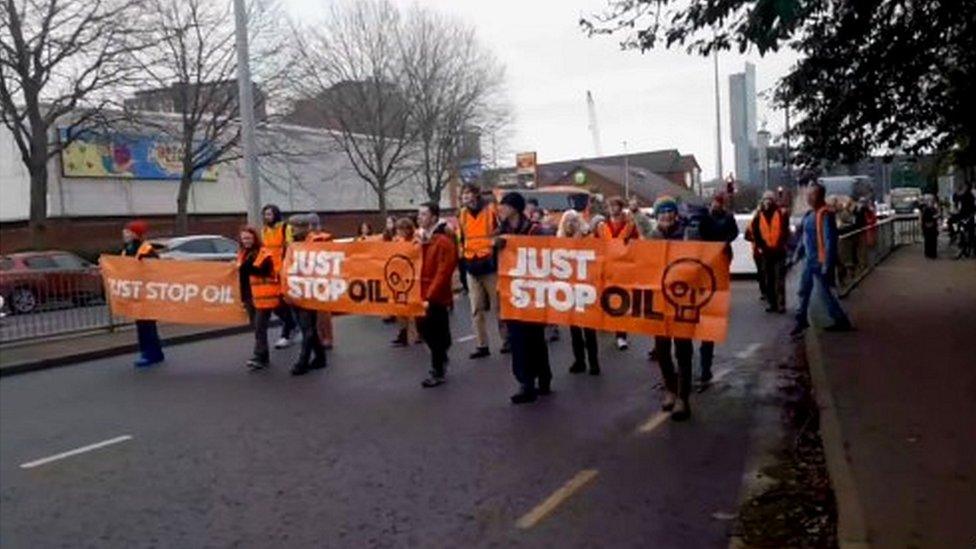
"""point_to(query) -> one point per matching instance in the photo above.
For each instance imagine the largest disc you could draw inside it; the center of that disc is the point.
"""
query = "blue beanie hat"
(665, 204)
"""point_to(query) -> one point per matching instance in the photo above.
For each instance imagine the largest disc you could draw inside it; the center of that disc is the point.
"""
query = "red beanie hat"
(138, 226)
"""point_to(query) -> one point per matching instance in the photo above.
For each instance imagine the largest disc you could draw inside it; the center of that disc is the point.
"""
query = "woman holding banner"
(617, 225)
(677, 387)
(150, 348)
(585, 343)
(260, 291)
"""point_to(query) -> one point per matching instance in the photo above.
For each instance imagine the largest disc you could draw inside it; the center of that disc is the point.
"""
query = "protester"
(769, 232)
(406, 231)
(437, 272)
(585, 343)
(929, 218)
(530, 354)
(134, 245)
(818, 243)
(323, 319)
(961, 222)
(538, 216)
(389, 229)
(757, 255)
(365, 231)
(719, 226)
(260, 291)
(640, 219)
(478, 222)
(312, 354)
(618, 225)
(677, 386)
(275, 236)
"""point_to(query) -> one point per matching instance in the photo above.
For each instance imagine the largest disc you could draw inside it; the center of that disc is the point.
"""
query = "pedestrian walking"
(479, 222)
(275, 236)
(617, 225)
(312, 354)
(436, 280)
(718, 226)
(818, 244)
(584, 340)
(677, 385)
(406, 231)
(530, 354)
(641, 220)
(929, 218)
(260, 291)
(769, 232)
(147, 334)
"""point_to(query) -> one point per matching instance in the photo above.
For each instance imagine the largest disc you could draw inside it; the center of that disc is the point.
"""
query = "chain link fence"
(861, 250)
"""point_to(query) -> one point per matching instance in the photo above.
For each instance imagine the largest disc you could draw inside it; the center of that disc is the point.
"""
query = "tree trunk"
(381, 200)
(38, 186)
(182, 225)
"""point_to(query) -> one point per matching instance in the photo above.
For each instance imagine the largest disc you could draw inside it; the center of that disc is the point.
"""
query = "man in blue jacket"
(818, 243)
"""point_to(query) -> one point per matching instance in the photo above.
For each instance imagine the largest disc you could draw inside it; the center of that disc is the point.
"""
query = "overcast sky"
(657, 100)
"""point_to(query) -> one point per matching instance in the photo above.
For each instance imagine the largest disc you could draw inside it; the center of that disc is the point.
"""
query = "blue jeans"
(811, 274)
(150, 347)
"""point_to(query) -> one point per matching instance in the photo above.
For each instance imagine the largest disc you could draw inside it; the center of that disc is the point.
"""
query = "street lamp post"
(626, 173)
(245, 103)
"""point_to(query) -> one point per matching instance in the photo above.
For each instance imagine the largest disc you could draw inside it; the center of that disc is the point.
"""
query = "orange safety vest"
(477, 232)
(821, 214)
(771, 230)
(610, 230)
(275, 240)
(265, 290)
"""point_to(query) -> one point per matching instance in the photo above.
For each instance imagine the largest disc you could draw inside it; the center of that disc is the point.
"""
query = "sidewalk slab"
(902, 394)
(54, 352)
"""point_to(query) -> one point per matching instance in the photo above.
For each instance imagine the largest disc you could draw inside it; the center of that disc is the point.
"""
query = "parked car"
(905, 200)
(29, 280)
(203, 247)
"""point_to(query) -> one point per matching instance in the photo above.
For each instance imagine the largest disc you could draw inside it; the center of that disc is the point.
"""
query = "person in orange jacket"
(260, 291)
(275, 236)
(436, 278)
(150, 347)
(617, 225)
(769, 232)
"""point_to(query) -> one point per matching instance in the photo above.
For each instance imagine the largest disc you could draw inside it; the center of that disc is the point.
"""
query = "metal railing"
(42, 303)
(861, 250)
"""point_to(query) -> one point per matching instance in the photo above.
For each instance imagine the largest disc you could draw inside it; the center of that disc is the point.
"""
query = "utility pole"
(245, 104)
(626, 173)
(718, 125)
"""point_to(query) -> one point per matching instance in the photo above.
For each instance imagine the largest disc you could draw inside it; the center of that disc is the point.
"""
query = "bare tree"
(61, 61)
(193, 59)
(456, 88)
(352, 71)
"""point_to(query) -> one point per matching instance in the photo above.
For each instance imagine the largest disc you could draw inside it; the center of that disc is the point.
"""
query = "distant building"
(742, 123)
(172, 98)
(612, 180)
(328, 109)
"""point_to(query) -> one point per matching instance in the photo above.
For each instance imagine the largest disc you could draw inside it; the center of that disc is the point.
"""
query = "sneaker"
(433, 381)
(667, 403)
(283, 342)
(506, 347)
(577, 368)
(300, 370)
(143, 362)
(257, 364)
(622, 343)
(480, 352)
(523, 397)
(706, 377)
(682, 410)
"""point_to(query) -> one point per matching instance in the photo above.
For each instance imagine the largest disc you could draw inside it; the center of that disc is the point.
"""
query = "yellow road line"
(564, 492)
(653, 422)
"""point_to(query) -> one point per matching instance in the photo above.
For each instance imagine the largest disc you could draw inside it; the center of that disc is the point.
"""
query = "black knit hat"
(514, 200)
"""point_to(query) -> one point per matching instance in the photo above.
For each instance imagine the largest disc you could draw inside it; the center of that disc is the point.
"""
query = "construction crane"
(594, 130)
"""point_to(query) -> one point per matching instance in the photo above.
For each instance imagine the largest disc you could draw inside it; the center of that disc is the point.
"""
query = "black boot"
(577, 368)
(480, 352)
(300, 369)
(524, 396)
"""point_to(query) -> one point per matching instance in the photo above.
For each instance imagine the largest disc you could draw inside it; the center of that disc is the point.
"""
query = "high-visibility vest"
(610, 230)
(821, 214)
(275, 239)
(145, 250)
(265, 290)
(477, 232)
(771, 230)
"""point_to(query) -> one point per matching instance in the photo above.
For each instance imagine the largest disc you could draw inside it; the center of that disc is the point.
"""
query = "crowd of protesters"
(471, 249)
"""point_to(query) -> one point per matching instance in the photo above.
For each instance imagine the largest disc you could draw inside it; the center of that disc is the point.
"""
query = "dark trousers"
(760, 275)
(150, 348)
(585, 346)
(463, 274)
(530, 354)
(811, 275)
(707, 351)
(680, 382)
(435, 327)
(931, 239)
(773, 274)
(260, 318)
(311, 344)
(286, 313)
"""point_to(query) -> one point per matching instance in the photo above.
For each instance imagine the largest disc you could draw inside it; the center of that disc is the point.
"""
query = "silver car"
(203, 247)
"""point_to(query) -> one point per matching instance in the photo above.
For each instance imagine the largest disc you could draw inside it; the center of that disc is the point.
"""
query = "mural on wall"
(126, 156)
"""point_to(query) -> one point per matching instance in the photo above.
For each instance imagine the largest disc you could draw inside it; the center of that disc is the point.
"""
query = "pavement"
(200, 452)
(899, 398)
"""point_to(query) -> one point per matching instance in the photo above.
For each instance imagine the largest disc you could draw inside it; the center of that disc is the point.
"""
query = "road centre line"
(653, 422)
(749, 351)
(564, 492)
(76, 451)
(468, 337)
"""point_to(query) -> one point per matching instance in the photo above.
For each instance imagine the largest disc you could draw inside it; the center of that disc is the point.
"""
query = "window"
(68, 261)
(40, 262)
(201, 246)
(225, 245)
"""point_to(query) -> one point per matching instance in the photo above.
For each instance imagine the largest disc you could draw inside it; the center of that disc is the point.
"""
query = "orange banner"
(367, 278)
(658, 287)
(186, 292)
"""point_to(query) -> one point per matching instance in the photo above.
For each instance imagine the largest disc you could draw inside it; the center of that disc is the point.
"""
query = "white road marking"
(564, 492)
(720, 374)
(653, 422)
(462, 339)
(749, 351)
(75, 452)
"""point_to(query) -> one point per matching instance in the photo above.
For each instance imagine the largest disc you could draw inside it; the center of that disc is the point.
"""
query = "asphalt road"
(360, 455)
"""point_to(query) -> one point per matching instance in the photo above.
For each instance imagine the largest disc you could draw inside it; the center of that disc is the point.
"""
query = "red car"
(29, 280)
